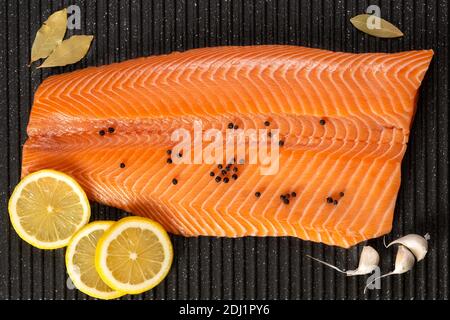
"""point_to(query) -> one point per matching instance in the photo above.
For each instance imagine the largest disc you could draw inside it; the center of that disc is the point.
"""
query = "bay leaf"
(385, 29)
(69, 51)
(49, 35)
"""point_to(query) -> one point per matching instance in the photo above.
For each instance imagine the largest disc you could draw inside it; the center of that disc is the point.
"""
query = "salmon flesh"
(341, 123)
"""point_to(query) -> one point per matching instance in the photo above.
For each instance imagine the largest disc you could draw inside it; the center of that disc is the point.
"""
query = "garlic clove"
(404, 262)
(417, 244)
(368, 262)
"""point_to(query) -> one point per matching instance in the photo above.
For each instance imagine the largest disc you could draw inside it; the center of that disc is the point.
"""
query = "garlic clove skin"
(417, 244)
(368, 262)
(326, 264)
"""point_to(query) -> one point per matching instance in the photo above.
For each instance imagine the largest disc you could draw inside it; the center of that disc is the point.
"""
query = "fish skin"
(368, 102)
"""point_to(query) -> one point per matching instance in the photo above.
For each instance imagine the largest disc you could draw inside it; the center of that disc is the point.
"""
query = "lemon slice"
(134, 255)
(80, 261)
(47, 208)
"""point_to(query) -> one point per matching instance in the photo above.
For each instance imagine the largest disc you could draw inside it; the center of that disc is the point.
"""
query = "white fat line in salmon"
(262, 144)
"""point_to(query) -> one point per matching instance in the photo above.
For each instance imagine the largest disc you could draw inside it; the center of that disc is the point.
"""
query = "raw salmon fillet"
(344, 119)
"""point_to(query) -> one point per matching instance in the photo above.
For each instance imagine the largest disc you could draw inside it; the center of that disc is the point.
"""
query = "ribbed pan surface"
(246, 268)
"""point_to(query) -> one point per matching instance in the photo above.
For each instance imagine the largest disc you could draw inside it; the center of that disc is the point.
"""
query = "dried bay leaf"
(49, 35)
(384, 29)
(69, 51)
